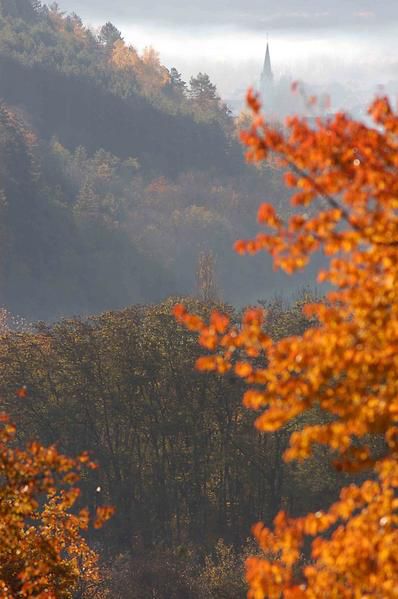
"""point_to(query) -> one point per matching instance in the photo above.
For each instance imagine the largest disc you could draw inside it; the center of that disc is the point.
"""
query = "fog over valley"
(346, 47)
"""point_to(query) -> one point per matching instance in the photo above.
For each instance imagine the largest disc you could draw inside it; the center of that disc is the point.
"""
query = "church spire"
(267, 75)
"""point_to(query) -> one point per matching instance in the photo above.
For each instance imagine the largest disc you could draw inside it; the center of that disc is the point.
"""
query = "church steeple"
(267, 75)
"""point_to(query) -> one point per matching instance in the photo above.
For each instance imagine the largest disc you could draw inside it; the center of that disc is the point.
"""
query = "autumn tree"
(344, 176)
(152, 75)
(43, 552)
(124, 58)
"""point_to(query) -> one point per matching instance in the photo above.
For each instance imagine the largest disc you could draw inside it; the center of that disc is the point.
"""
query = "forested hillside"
(115, 173)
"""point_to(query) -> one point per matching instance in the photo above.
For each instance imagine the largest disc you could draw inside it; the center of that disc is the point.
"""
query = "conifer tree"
(109, 34)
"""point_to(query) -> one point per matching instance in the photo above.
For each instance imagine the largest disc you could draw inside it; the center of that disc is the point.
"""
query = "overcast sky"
(351, 41)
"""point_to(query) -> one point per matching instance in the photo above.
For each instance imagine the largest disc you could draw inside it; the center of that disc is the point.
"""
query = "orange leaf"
(243, 369)
(102, 515)
(206, 363)
(219, 321)
(22, 392)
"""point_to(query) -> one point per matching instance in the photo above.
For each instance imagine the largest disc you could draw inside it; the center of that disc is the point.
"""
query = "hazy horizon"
(353, 45)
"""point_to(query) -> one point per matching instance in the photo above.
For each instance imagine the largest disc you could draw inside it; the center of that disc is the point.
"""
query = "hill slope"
(116, 175)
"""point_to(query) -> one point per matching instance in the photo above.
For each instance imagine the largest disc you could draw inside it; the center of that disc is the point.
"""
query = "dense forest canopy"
(178, 456)
(115, 173)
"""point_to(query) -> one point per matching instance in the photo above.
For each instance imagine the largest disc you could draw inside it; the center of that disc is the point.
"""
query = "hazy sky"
(351, 41)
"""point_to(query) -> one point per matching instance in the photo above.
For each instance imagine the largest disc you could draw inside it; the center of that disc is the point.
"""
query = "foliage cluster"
(43, 552)
(344, 365)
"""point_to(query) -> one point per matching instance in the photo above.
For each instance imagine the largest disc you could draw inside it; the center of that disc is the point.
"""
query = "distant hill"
(75, 86)
(115, 174)
(79, 111)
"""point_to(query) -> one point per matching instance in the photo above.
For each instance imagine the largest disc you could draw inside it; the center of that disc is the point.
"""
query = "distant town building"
(278, 99)
(267, 76)
(267, 88)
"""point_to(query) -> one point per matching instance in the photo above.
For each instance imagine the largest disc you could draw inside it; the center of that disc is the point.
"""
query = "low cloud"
(348, 43)
(256, 14)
